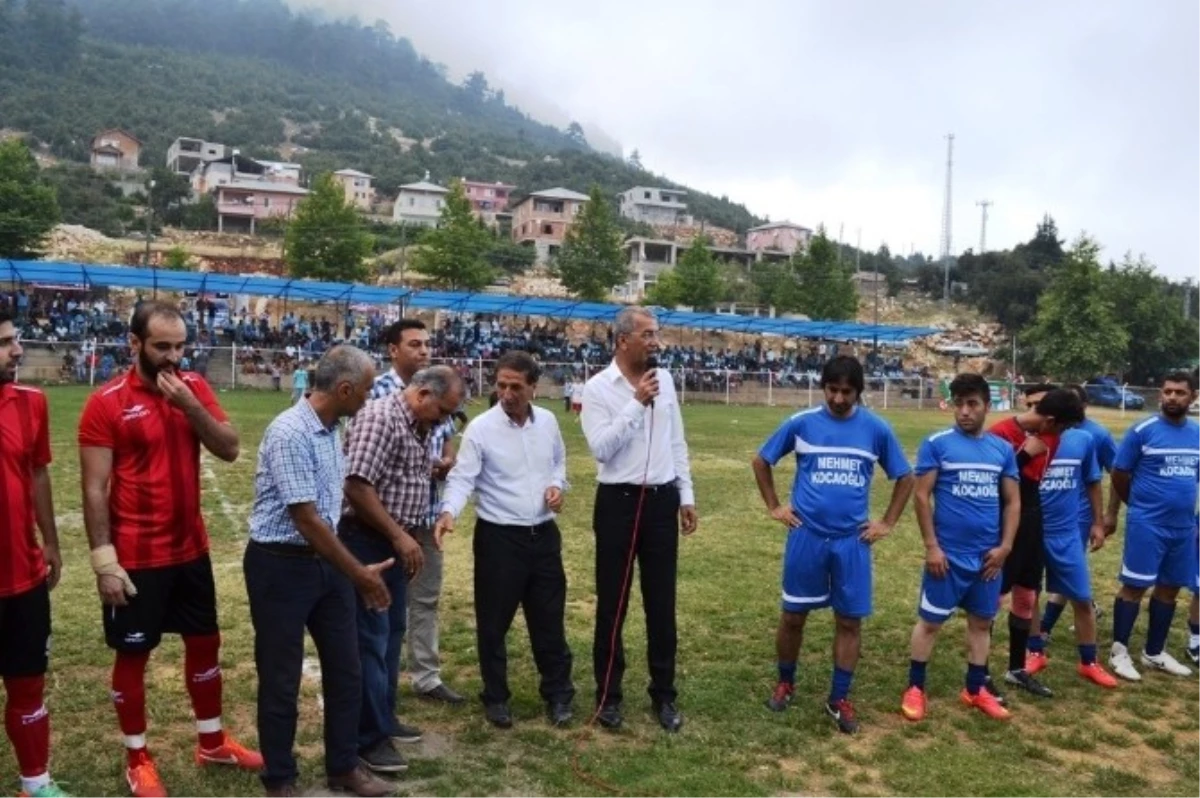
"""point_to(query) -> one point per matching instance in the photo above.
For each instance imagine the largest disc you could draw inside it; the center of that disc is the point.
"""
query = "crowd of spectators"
(276, 346)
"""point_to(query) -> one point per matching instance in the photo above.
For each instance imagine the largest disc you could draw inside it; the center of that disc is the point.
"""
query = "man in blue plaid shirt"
(299, 575)
(408, 350)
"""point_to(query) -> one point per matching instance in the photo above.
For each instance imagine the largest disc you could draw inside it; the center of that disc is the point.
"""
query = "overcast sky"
(836, 112)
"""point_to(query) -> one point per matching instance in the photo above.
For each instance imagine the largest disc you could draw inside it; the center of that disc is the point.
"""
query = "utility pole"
(875, 346)
(841, 229)
(858, 253)
(149, 219)
(984, 204)
(947, 231)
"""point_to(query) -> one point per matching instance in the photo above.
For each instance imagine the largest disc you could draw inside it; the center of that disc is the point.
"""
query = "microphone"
(651, 363)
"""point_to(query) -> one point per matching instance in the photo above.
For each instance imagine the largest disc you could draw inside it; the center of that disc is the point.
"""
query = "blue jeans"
(380, 636)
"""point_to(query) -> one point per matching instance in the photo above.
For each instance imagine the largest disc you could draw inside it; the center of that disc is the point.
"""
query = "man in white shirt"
(634, 429)
(512, 457)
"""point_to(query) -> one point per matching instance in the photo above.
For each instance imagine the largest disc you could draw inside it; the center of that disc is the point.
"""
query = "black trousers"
(657, 555)
(521, 566)
(290, 592)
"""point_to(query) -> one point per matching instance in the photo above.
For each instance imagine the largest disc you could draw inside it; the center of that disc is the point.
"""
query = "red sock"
(203, 671)
(129, 698)
(28, 723)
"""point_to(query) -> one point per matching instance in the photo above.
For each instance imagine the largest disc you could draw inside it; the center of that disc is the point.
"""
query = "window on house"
(547, 229)
(412, 201)
(266, 202)
(646, 195)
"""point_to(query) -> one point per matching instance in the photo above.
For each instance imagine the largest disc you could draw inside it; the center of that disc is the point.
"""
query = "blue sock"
(1125, 615)
(916, 673)
(1037, 643)
(976, 676)
(1160, 624)
(841, 684)
(1087, 653)
(787, 672)
(1050, 616)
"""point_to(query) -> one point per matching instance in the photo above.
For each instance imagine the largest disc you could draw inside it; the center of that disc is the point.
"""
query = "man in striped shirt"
(408, 351)
(140, 438)
(28, 572)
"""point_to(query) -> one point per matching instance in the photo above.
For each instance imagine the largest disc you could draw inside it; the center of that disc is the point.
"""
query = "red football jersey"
(24, 448)
(1011, 431)
(154, 492)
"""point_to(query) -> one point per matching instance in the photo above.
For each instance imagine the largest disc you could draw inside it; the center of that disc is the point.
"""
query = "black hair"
(965, 385)
(1039, 387)
(1182, 376)
(139, 325)
(522, 363)
(843, 368)
(396, 331)
(1063, 406)
(1079, 391)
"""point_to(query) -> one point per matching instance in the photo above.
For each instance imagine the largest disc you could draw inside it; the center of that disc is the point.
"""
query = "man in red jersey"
(28, 572)
(1034, 439)
(140, 437)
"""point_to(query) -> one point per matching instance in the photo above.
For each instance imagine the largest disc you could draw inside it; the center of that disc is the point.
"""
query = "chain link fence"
(245, 367)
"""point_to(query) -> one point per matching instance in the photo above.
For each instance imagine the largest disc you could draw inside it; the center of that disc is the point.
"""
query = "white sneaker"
(1166, 663)
(1122, 664)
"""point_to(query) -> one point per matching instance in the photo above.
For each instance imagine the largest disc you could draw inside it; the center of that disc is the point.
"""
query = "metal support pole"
(885, 392)
(92, 364)
(233, 365)
(726, 386)
(770, 393)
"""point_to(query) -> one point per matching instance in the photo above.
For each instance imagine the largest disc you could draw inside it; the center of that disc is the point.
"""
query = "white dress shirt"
(509, 467)
(618, 431)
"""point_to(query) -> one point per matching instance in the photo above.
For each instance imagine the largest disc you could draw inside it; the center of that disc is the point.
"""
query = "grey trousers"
(424, 591)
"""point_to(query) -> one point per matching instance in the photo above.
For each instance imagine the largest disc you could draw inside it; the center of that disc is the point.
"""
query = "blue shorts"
(1067, 567)
(1196, 562)
(1158, 557)
(821, 571)
(960, 587)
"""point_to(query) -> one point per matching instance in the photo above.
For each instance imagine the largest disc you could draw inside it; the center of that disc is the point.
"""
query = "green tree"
(509, 257)
(826, 288)
(454, 255)
(1076, 333)
(325, 239)
(696, 278)
(1160, 336)
(776, 284)
(591, 262)
(168, 194)
(177, 259)
(576, 135)
(28, 207)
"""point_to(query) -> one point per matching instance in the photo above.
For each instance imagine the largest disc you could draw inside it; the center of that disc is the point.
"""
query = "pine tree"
(28, 207)
(454, 255)
(826, 289)
(325, 239)
(591, 262)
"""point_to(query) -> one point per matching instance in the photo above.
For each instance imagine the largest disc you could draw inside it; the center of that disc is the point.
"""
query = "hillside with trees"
(282, 85)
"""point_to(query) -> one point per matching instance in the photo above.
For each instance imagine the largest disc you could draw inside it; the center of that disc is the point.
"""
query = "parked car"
(1107, 394)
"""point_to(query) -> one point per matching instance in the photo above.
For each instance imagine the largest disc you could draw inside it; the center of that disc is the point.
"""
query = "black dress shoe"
(609, 716)
(499, 715)
(559, 713)
(444, 694)
(669, 716)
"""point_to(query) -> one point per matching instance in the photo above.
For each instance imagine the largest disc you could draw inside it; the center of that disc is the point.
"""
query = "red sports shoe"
(230, 752)
(986, 703)
(1036, 662)
(142, 776)
(1095, 673)
(912, 705)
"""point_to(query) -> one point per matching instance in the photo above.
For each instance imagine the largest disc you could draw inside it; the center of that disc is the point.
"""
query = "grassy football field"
(1137, 739)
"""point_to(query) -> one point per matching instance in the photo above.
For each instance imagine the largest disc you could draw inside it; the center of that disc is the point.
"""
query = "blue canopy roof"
(28, 271)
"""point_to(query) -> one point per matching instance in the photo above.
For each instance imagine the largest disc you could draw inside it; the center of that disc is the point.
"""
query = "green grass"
(1138, 738)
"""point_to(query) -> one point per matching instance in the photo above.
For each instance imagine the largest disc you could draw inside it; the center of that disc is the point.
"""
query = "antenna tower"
(946, 217)
(984, 204)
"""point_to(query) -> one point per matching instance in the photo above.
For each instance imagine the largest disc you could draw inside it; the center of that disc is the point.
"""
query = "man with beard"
(827, 562)
(408, 349)
(140, 437)
(1155, 473)
(28, 572)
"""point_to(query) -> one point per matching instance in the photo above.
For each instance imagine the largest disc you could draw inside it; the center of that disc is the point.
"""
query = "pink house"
(783, 237)
(487, 199)
(243, 202)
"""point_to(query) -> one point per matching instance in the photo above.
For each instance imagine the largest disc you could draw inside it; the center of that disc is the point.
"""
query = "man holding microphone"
(513, 457)
(634, 429)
